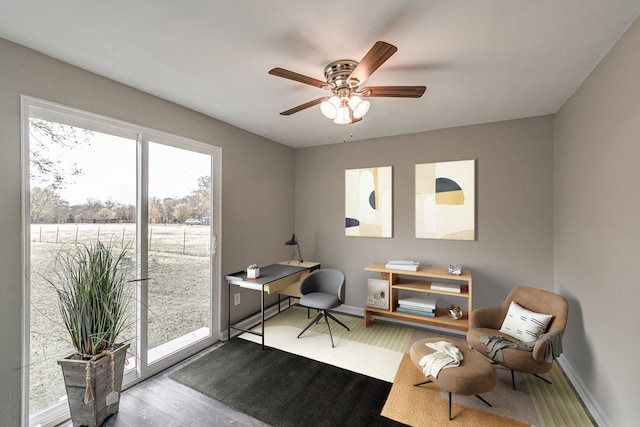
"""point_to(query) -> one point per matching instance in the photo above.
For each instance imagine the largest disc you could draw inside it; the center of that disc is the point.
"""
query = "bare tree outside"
(52, 171)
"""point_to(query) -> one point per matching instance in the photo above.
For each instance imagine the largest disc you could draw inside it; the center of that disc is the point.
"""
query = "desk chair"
(323, 290)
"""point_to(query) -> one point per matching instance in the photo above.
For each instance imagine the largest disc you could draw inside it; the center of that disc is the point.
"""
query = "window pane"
(179, 248)
(82, 190)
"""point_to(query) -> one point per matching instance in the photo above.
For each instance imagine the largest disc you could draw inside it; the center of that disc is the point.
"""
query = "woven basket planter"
(99, 379)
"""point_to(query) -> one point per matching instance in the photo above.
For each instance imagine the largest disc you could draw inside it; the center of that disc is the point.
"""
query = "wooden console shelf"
(420, 281)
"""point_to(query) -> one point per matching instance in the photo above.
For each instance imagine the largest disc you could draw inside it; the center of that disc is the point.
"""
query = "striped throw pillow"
(523, 324)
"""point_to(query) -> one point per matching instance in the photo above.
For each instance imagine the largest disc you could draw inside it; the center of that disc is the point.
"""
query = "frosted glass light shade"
(358, 106)
(343, 117)
(329, 107)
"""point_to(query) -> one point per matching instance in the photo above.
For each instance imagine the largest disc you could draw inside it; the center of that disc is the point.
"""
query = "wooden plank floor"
(160, 401)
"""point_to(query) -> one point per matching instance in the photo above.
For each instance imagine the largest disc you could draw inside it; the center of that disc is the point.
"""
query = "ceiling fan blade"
(377, 55)
(281, 72)
(394, 91)
(302, 107)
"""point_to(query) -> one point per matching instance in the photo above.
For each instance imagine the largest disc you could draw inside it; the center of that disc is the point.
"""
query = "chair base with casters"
(326, 315)
(323, 290)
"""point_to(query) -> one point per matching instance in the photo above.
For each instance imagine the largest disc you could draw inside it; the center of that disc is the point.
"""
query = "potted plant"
(94, 290)
(253, 271)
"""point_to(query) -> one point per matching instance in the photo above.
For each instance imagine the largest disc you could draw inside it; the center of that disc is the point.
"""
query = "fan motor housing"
(337, 73)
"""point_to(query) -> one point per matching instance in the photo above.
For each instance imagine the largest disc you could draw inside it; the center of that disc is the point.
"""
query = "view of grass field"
(178, 303)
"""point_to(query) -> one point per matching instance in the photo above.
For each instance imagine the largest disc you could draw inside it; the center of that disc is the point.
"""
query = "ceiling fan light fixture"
(329, 107)
(343, 78)
(358, 106)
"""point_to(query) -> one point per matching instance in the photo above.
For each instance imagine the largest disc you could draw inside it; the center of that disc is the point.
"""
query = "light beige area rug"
(375, 351)
(380, 351)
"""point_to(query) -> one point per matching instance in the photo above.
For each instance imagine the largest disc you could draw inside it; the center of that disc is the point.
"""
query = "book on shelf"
(406, 265)
(446, 287)
(418, 312)
(427, 301)
(413, 307)
(402, 262)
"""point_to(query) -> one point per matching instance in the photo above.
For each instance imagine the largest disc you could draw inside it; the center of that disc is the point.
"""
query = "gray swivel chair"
(323, 290)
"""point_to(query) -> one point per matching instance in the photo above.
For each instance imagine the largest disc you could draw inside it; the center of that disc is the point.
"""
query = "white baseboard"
(586, 396)
(351, 310)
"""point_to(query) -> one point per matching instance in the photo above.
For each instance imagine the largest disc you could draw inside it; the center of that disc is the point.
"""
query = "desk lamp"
(291, 242)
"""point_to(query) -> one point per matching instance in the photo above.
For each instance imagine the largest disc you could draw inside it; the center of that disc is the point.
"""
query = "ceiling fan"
(343, 80)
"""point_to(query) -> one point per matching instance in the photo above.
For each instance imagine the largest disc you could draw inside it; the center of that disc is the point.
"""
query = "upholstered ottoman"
(475, 375)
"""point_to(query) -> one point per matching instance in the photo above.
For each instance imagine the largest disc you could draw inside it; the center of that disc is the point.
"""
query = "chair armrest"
(547, 344)
(486, 317)
(539, 350)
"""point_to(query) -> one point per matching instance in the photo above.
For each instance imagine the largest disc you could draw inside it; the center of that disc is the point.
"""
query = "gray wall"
(250, 165)
(597, 223)
(514, 203)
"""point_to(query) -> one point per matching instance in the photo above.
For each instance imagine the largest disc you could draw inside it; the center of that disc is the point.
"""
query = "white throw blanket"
(446, 355)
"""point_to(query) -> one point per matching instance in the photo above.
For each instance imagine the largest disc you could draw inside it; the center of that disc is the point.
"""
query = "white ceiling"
(482, 61)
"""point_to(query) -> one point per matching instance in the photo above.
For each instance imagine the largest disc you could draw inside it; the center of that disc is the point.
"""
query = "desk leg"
(262, 312)
(229, 311)
(240, 328)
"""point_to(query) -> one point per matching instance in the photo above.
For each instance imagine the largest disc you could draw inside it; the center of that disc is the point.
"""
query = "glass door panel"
(179, 246)
(83, 190)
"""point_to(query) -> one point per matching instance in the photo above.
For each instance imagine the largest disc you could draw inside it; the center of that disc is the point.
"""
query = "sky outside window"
(109, 168)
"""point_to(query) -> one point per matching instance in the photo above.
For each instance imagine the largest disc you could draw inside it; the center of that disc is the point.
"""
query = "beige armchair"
(487, 321)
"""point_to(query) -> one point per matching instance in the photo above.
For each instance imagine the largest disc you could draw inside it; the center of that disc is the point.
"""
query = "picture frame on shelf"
(378, 293)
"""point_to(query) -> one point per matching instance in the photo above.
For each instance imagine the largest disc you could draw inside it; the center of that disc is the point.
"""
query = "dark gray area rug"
(284, 389)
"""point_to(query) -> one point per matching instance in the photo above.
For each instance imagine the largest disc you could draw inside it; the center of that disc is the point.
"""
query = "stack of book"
(402, 265)
(421, 305)
(446, 287)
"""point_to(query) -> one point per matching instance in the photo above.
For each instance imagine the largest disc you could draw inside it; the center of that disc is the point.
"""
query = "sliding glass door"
(89, 178)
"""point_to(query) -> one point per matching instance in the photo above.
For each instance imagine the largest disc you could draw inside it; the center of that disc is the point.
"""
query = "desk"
(281, 278)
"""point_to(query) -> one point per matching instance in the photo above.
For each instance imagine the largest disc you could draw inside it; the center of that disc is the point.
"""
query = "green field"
(178, 301)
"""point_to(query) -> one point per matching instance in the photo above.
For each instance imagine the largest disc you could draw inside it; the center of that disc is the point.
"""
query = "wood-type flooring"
(160, 401)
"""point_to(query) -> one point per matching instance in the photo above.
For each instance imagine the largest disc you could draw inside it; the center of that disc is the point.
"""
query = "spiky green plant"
(94, 294)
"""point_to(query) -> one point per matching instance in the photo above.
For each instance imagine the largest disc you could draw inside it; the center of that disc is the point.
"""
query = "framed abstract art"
(368, 202)
(445, 200)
